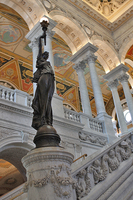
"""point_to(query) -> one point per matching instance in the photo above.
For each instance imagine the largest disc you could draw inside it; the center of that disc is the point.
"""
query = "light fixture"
(44, 24)
(44, 19)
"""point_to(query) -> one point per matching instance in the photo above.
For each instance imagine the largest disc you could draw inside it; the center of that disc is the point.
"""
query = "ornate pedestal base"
(49, 174)
(46, 137)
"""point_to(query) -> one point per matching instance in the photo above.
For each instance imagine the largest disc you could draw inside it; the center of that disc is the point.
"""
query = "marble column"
(48, 46)
(124, 81)
(49, 174)
(101, 113)
(83, 88)
(119, 111)
(91, 58)
(87, 53)
(34, 46)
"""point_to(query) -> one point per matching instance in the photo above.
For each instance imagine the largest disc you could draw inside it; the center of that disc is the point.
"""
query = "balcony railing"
(16, 96)
(72, 115)
(25, 99)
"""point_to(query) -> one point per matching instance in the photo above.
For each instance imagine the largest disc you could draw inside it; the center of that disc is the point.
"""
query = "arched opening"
(10, 177)
(15, 54)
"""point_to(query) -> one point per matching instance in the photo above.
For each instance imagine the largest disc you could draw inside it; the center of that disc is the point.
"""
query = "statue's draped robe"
(44, 76)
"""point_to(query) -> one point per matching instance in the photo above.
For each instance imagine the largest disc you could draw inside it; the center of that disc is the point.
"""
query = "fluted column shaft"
(83, 88)
(119, 111)
(124, 81)
(34, 46)
(91, 58)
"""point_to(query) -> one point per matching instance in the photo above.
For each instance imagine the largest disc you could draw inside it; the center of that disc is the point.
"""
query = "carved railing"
(72, 115)
(16, 96)
(7, 93)
(101, 165)
(96, 125)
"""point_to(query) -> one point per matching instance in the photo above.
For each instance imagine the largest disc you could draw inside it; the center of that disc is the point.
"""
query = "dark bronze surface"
(42, 115)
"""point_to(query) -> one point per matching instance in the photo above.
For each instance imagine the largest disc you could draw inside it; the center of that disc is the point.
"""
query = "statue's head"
(45, 55)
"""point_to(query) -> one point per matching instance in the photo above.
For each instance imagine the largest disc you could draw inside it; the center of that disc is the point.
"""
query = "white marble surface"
(48, 174)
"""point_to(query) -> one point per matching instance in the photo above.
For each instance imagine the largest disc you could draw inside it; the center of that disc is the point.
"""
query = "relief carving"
(111, 160)
(123, 151)
(93, 139)
(59, 177)
(101, 167)
(83, 184)
(98, 172)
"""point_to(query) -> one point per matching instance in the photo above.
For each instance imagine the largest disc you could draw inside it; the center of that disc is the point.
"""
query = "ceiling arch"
(70, 31)
(125, 47)
(106, 55)
(31, 12)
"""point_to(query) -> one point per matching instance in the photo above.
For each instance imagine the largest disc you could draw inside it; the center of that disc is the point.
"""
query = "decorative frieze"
(94, 139)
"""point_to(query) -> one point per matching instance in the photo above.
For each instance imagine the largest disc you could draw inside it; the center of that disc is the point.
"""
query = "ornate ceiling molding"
(105, 7)
(89, 11)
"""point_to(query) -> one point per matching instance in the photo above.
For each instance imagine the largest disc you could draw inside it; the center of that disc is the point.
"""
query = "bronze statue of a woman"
(44, 77)
(42, 115)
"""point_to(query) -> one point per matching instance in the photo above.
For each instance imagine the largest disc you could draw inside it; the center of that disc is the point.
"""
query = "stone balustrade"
(16, 96)
(25, 99)
(96, 125)
(98, 167)
(72, 115)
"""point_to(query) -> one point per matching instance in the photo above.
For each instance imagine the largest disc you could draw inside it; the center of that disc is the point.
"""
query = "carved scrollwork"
(80, 66)
(113, 84)
(123, 78)
(91, 57)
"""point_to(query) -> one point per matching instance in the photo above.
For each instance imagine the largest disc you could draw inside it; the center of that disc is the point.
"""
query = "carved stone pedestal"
(49, 174)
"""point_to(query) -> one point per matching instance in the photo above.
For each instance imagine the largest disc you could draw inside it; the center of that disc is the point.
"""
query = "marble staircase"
(105, 175)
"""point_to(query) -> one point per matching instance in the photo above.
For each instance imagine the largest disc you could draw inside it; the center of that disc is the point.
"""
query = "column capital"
(34, 43)
(113, 84)
(50, 33)
(123, 78)
(91, 57)
(79, 66)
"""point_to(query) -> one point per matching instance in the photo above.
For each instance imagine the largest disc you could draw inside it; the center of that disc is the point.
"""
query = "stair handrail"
(83, 156)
